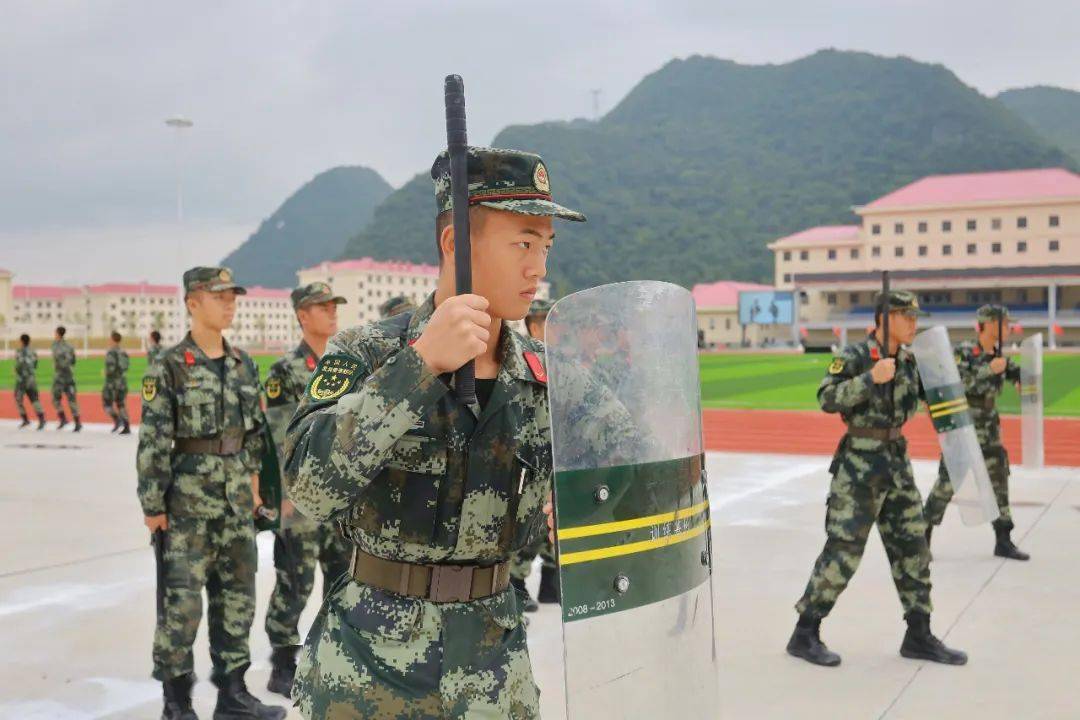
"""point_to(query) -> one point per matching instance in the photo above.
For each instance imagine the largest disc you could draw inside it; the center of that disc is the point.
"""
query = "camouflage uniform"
(154, 353)
(64, 377)
(872, 482)
(199, 445)
(114, 392)
(26, 381)
(982, 387)
(424, 484)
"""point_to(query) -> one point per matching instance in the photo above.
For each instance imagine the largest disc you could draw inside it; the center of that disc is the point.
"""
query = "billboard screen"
(766, 307)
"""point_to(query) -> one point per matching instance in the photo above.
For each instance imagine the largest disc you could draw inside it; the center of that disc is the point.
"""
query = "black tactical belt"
(983, 403)
(229, 442)
(883, 434)
(437, 583)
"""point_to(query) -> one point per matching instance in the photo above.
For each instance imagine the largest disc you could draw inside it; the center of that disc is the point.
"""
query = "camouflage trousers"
(521, 564)
(114, 398)
(218, 554)
(868, 487)
(997, 466)
(375, 654)
(61, 387)
(28, 390)
(296, 552)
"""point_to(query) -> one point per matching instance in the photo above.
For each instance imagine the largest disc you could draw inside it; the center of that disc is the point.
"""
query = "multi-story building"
(264, 320)
(958, 241)
(718, 317)
(132, 309)
(38, 309)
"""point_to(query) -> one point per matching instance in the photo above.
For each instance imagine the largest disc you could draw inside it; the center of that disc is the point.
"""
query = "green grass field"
(777, 382)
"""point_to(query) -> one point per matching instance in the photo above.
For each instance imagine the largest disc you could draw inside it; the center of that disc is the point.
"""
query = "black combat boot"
(283, 662)
(806, 643)
(25, 421)
(127, 428)
(549, 585)
(920, 644)
(63, 420)
(178, 698)
(41, 422)
(78, 424)
(529, 605)
(1004, 546)
(234, 702)
(115, 423)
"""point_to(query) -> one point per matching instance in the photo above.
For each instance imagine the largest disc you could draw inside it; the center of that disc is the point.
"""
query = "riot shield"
(632, 509)
(949, 411)
(1031, 401)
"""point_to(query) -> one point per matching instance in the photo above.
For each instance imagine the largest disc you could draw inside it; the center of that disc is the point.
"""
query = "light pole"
(179, 124)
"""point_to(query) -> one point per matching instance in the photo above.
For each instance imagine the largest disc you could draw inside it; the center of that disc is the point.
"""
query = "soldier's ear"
(446, 241)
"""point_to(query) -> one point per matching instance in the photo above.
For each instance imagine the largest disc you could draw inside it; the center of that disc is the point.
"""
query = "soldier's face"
(319, 320)
(509, 260)
(215, 310)
(903, 327)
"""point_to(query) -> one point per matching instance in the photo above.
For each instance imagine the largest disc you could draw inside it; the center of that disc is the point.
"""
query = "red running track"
(794, 432)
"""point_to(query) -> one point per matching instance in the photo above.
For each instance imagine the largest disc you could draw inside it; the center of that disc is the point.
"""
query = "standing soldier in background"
(64, 379)
(395, 306)
(522, 564)
(983, 370)
(154, 351)
(303, 542)
(26, 382)
(876, 389)
(200, 446)
(114, 393)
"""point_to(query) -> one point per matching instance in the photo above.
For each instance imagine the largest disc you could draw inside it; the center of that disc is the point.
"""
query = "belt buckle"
(231, 444)
(451, 583)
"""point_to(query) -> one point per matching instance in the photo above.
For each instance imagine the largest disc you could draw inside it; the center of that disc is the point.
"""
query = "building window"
(995, 248)
(804, 254)
(971, 248)
(922, 251)
(875, 229)
(1021, 246)
(995, 224)
(876, 251)
(787, 255)
(1022, 295)
(898, 228)
(830, 298)
(832, 254)
(972, 225)
(787, 277)
(923, 227)
(1055, 221)
(727, 323)
(898, 251)
(854, 253)
(712, 323)
(804, 298)
(1021, 222)
(854, 298)
(1054, 246)
(946, 226)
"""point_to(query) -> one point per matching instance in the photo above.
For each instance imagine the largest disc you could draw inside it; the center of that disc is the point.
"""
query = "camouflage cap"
(395, 306)
(992, 312)
(211, 279)
(900, 301)
(315, 293)
(540, 308)
(502, 179)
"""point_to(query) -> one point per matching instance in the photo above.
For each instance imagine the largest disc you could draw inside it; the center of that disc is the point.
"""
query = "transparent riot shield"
(632, 507)
(949, 411)
(1031, 401)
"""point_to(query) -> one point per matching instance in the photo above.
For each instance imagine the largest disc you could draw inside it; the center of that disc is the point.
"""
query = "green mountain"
(309, 227)
(706, 160)
(1054, 112)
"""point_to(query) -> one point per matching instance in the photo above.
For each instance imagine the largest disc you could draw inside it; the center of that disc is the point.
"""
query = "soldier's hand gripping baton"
(158, 541)
(457, 144)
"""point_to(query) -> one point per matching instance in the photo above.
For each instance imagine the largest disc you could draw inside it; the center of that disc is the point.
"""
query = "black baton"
(457, 144)
(158, 541)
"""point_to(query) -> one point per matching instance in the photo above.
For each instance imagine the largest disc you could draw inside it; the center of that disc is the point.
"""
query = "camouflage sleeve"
(335, 446)
(281, 402)
(977, 378)
(845, 385)
(125, 363)
(251, 456)
(154, 457)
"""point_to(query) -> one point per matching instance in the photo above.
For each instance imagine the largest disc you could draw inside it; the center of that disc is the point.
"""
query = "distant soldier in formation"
(535, 322)
(200, 446)
(26, 382)
(303, 543)
(64, 379)
(983, 370)
(114, 392)
(876, 390)
(154, 351)
(395, 306)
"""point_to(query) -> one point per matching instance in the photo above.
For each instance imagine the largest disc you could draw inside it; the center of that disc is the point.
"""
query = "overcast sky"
(282, 90)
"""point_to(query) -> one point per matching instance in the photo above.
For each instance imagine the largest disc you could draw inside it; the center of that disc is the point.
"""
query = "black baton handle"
(457, 144)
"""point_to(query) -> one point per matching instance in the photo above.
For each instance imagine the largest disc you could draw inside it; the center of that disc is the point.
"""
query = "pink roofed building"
(718, 317)
(959, 241)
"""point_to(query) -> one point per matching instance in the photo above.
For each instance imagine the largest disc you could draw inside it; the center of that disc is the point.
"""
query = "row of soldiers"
(113, 392)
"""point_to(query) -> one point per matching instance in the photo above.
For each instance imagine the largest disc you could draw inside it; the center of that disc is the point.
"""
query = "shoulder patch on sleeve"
(334, 376)
(837, 366)
(273, 388)
(149, 388)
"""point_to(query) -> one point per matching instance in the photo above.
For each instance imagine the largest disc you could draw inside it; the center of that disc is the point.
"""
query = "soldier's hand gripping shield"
(268, 514)
(949, 411)
(631, 501)
(1031, 401)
